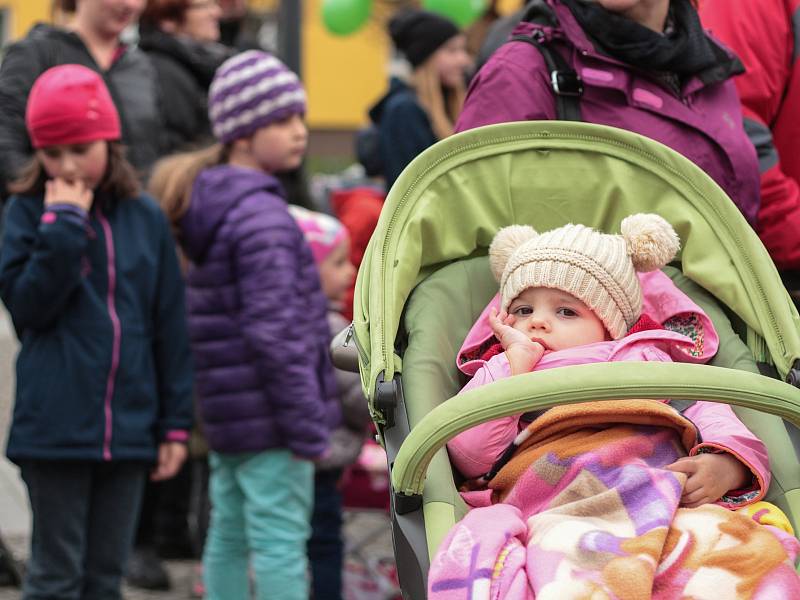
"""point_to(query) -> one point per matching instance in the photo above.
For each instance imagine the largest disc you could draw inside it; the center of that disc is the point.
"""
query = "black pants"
(84, 518)
(165, 510)
(325, 548)
(174, 514)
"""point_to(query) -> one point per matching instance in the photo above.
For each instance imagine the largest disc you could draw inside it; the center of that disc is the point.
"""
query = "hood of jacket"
(216, 191)
(200, 59)
(662, 301)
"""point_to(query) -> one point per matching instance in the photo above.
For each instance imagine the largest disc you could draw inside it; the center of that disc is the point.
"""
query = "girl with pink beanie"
(330, 245)
(90, 277)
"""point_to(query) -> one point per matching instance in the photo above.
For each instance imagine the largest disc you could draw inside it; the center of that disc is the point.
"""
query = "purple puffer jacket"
(257, 318)
(704, 123)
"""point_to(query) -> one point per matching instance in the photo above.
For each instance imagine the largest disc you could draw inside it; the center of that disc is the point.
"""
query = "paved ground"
(15, 516)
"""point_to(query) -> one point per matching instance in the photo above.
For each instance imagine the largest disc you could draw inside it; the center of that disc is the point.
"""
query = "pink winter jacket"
(474, 451)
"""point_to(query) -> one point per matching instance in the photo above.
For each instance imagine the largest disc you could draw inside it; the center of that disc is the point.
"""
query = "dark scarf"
(684, 50)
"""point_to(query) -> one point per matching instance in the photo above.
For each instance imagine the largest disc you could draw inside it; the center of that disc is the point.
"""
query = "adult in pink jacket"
(645, 66)
(766, 36)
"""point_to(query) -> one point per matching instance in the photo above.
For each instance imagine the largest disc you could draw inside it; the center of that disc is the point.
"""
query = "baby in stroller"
(593, 498)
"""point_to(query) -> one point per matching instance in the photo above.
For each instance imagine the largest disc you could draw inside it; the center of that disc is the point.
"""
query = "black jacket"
(185, 70)
(404, 126)
(131, 81)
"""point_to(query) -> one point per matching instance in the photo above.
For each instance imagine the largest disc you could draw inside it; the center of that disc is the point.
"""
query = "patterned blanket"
(586, 510)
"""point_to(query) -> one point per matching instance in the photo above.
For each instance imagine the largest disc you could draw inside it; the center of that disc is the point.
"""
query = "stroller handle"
(592, 382)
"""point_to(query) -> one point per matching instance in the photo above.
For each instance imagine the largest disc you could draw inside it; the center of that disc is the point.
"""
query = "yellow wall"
(505, 7)
(24, 13)
(344, 75)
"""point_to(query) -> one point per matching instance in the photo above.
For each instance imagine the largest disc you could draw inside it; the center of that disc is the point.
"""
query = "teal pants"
(260, 519)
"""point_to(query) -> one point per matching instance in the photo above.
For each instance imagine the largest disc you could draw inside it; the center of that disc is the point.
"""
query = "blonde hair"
(443, 105)
(173, 177)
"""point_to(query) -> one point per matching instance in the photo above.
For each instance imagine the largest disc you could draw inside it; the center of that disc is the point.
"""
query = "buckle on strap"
(566, 83)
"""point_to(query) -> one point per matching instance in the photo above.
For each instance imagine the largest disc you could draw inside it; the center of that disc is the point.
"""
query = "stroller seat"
(434, 326)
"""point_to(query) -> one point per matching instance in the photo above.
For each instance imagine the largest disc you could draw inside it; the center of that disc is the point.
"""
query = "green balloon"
(343, 17)
(461, 12)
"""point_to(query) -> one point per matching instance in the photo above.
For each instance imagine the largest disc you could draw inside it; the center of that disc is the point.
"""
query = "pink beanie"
(323, 233)
(70, 104)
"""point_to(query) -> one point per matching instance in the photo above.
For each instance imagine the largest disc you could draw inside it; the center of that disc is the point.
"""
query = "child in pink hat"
(90, 277)
(330, 245)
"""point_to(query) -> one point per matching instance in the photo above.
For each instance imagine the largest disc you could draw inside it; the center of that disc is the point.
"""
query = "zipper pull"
(349, 336)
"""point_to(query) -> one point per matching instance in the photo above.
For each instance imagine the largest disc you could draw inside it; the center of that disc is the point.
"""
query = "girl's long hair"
(443, 105)
(173, 177)
(120, 181)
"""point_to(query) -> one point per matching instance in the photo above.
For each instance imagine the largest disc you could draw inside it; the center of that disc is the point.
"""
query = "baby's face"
(555, 319)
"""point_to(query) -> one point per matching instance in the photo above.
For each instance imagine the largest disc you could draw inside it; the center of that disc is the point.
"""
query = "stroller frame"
(448, 204)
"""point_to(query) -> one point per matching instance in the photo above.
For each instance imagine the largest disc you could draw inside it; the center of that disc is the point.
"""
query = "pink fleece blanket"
(586, 509)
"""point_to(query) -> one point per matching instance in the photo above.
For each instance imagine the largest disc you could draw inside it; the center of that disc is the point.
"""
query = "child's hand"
(171, 456)
(60, 191)
(710, 476)
(522, 353)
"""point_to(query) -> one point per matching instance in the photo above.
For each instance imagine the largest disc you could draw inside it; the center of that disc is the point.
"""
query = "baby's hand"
(60, 191)
(710, 476)
(522, 353)
(502, 327)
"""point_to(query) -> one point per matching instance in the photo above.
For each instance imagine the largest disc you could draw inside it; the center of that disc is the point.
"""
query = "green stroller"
(425, 278)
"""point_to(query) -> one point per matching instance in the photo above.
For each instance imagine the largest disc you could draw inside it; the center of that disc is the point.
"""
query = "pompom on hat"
(597, 268)
(70, 104)
(252, 90)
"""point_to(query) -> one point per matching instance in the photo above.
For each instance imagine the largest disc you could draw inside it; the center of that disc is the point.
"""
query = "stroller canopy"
(448, 204)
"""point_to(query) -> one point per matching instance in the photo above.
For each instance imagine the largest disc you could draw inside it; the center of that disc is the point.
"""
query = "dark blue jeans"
(84, 518)
(325, 548)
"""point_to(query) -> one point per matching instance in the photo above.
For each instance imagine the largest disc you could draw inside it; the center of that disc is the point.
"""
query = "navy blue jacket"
(97, 301)
(404, 126)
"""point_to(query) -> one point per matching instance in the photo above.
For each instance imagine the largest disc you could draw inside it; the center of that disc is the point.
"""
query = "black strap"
(682, 405)
(566, 83)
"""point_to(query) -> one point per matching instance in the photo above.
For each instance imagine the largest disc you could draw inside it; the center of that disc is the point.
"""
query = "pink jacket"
(474, 451)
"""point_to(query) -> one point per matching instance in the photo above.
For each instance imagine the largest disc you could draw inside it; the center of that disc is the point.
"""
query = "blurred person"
(765, 35)
(91, 38)
(425, 94)
(642, 65)
(257, 320)
(330, 245)
(181, 37)
(90, 277)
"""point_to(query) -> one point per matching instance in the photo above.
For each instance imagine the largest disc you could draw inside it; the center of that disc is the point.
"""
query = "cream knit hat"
(597, 268)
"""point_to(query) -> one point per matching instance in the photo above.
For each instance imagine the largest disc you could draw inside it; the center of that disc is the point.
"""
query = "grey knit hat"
(250, 91)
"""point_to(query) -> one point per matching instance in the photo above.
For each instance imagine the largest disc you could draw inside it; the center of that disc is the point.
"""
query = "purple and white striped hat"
(250, 91)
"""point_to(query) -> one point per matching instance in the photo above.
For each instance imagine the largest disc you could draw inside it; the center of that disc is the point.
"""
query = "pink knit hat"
(70, 104)
(323, 233)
